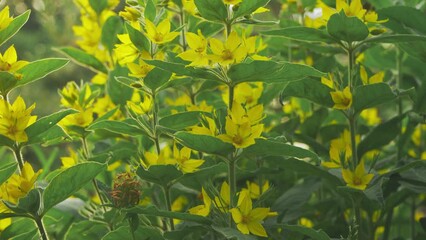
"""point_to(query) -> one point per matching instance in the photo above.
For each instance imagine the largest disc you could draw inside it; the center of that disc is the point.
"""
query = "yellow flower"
(126, 51)
(241, 115)
(4, 223)
(245, 93)
(376, 78)
(5, 19)
(203, 209)
(184, 161)
(160, 34)
(197, 54)
(9, 61)
(328, 81)
(143, 107)
(254, 190)
(81, 119)
(177, 206)
(249, 220)
(230, 52)
(99, 79)
(342, 99)
(202, 107)
(139, 70)
(340, 150)
(208, 127)
(371, 116)
(357, 179)
(18, 185)
(241, 136)
(190, 7)
(130, 14)
(222, 202)
(15, 118)
(354, 9)
(164, 158)
(306, 222)
(71, 160)
(103, 105)
(73, 96)
(254, 45)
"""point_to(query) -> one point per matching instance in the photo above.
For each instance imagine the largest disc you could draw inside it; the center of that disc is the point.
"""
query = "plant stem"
(19, 158)
(232, 186)
(350, 68)
(412, 218)
(182, 22)
(400, 107)
(166, 190)
(231, 97)
(155, 123)
(388, 224)
(43, 234)
(131, 229)
(352, 128)
(87, 154)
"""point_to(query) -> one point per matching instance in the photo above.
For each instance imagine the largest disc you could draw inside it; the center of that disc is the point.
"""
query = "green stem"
(166, 190)
(43, 234)
(352, 128)
(131, 229)
(232, 186)
(155, 123)
(358, 220)
(350, 68)
(400, 107)
(19, 158)
(412, 218)
(388, 224)
(231, 96)
(87, 154)
(182, 22)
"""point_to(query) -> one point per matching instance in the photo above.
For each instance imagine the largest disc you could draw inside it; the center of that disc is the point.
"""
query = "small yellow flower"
(230, 52)
(160, 34)
(164, 158)
(222, 202)
(15, 118)
(139, 70)
(143, 107)
(254, 190)
(18, 185)
(81, 119)
(371, 116)
(247, 218)
(328, 81)
(342, 99)
(70, 160)
(197, 54)
(203, 209)
(183, 158)
(376, 78)
(5, 19)
(208, 127)
(126, 52)
(190, 7)
(357, 179)
(9, 61)
(241, 136)
(130, 14)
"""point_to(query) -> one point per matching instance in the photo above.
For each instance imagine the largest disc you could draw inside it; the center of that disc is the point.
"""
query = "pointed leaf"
(304, 34)
(213, 10)
(248, 7)
(40, 69)
(69, 181)
(156, 78)
(348, 29)
(265, 148)
(14, 27)
(204, 143)
(117, 127)
(180, 121)
(7, 171)
(112, 26)
(371, 95)
(159, 174)
(84, 59)
(310, 89)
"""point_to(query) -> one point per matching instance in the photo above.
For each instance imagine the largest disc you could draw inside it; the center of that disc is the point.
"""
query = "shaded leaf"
(84, 59)
(204, 143)
(348, 29)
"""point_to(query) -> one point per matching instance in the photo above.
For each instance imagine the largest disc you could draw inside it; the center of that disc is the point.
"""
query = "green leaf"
(40, 69)
(247, 7)
(110, 29)
(14, 27)
(118, 92)
(310, 89)
(153, 211)
(7, 83)
(270, 72)
(204, 143)
(138, 39)
(348, 29)
(380, 136)
(53, 135)
(69, 181)
(142, 232)
(415, 49)
(213, 10)
(31, 203)
(86, 230)
(150, 11)
(265, 148)
(304, 34)
(406, 167)
(117, 127)
(399, 38)
(156, 78)
(230, 233)
(98, 5)
(368, 96)
(7, 171)
(310, 232)
(84, 59)
(404, 17)
(180, 121)
(181, 69)
(42, 125)
(159, 174)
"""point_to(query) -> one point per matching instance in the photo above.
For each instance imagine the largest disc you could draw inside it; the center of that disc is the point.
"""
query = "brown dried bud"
(126, 191)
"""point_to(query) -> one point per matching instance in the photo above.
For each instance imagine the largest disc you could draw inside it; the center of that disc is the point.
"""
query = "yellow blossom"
(15, 118)
(70, 160)
(126, 51)
(254, 190)
(139, 70)
(241, 136)
(222, 202)
(203, 209)
(183, 158)
(342, 99)
(164, 158)
(208, 127)
(245, 93)
(143, 107)
(100, 78)
(376, 78)
(328, 81)
(254, 45)
(247, 218)
(202, 107)
(160, 34)
(5, 19)
(230, 52)
(18, 185)
(130, 14)
(371, 116)
(80, 119)
(190, 7)
(357, 179)
(9, 61)
(197, 54)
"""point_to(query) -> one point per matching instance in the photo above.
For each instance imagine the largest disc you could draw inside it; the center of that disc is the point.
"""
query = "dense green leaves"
(112, 26)
(371, 95)
(84, 59)
(348, 29)
(264, 148)
(204, 143)
(159, 174)
(310, 89)
(118, 92)
(213, 10)
(69, 181)
(156, 78)
(310, 232)
(14, 27)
